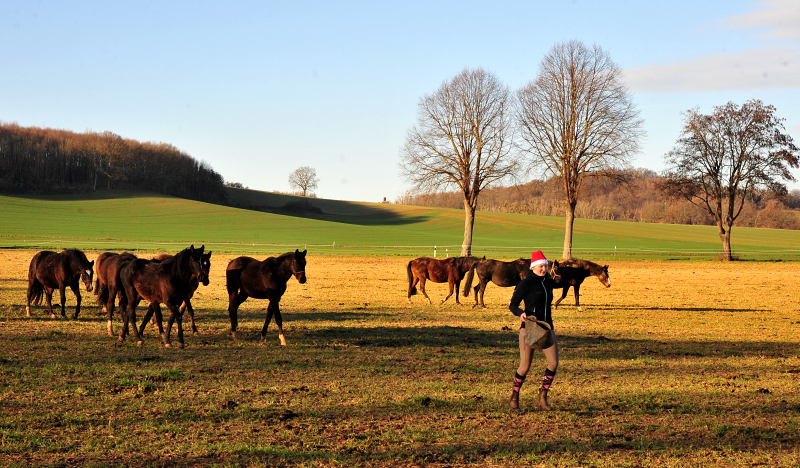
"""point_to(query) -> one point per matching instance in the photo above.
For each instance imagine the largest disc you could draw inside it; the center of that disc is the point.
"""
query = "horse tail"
(232, 281)
(468, 280)
(102, 294)
(35, 288)
(412, 290)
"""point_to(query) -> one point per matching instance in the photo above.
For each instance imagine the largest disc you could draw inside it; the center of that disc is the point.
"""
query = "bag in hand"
(538, 334)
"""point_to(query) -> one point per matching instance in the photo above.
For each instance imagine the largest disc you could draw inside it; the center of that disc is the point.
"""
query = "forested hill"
(631, 196)
(47, 161)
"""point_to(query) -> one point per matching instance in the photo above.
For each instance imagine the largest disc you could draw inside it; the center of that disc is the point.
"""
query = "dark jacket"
(537, 292)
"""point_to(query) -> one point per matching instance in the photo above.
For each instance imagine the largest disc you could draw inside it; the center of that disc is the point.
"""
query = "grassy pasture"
(677, 364)
(140, 221)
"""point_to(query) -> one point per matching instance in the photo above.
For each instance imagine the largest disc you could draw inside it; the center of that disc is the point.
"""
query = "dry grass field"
(677, 364)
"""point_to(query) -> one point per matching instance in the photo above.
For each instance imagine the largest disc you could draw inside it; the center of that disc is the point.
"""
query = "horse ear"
(191, 248)
(484, 257)
(209, 254)
(304, 252)
(91, 264)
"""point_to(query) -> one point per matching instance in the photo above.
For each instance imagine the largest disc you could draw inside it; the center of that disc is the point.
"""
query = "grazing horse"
(573, 272)
(450, 270)
(165, 282)
(247, 277)
(109, 285)
(503, 274)
(50, 270)
(205, 263)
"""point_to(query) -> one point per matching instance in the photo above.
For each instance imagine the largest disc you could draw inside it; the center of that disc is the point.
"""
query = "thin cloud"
(765, 68)
(769, 66)
(779, 19)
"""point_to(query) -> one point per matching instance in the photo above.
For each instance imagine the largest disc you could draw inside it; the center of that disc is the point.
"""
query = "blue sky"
(257, 89)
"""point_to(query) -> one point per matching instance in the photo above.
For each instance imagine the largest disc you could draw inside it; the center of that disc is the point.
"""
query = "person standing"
(537, 292)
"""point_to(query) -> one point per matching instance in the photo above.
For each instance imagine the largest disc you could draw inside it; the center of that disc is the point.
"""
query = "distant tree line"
(637, 198)
(47, 161)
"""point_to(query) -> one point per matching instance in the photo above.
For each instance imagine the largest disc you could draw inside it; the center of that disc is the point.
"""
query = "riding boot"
(542, 399)
(514, 401)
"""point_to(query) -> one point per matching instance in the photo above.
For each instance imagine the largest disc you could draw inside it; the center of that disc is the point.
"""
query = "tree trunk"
(469, 222)
(568, 230)
(725, 236)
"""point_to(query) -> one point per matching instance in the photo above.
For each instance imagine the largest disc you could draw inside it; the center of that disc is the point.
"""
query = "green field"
(275, 223)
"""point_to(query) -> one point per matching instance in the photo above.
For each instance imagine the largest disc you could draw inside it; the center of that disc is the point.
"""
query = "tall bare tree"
(576, 119)
(304, 179)
(722, 158)
(462, 139)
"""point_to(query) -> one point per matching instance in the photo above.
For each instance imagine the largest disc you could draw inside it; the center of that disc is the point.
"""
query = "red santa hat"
(537, 258)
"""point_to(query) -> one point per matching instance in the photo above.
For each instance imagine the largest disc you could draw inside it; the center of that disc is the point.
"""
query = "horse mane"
(75, 253)
(463, 260)
(580, 263)
(179, 264)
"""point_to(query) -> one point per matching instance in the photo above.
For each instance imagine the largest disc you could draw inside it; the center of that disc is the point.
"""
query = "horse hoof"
(180, 345)
(580, 309)
(167, 345)
(74, 316)
(52, 316)
(233, 335)
(139, 343)
(282, 340)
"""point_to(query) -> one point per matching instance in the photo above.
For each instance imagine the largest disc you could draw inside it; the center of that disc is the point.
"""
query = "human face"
(539, 270)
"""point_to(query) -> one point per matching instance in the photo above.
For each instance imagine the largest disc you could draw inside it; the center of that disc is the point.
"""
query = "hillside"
(117, 220)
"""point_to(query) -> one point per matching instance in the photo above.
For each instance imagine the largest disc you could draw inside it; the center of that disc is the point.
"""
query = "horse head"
(87, 271)
(205, 267)
(299, 265)
(604, 278)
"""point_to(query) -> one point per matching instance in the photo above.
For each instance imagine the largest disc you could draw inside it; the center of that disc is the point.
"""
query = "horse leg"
(48, 294)
(28, 297)
(187, 306)
(109, 309)
(174, 316)
(62, 291)
(130, 321)
(149, 315)
(422, 288)
(235, 299)
(76, 289)
(564, 292)
(483, 285)
(273, 309)
(577, 289)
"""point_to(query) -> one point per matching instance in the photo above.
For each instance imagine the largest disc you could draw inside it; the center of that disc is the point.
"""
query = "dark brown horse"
(574, 271)
(449, 270)
(205, 263)
(108, 285)
(503, 274)
(248, 277)
(50, 270)
(165, 282)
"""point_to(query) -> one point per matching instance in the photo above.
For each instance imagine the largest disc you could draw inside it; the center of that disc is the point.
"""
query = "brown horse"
(205, 263)
(248, 277)
(49, 270)
(109, 285)
(449, 270)
(165, 282)
(573, 272)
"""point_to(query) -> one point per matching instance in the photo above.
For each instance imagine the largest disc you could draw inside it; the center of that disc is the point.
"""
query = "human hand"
(523, 316)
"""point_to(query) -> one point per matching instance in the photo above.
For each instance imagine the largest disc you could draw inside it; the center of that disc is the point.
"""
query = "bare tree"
(461, 139)
(722, 158)
(576, 119)
(304, 179)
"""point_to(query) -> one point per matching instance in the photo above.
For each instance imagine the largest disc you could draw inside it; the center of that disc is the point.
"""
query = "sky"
(257, 89)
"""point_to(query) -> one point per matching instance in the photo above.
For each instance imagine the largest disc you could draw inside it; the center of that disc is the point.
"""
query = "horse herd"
(172, 280)
(166, 279)
(565, 273)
